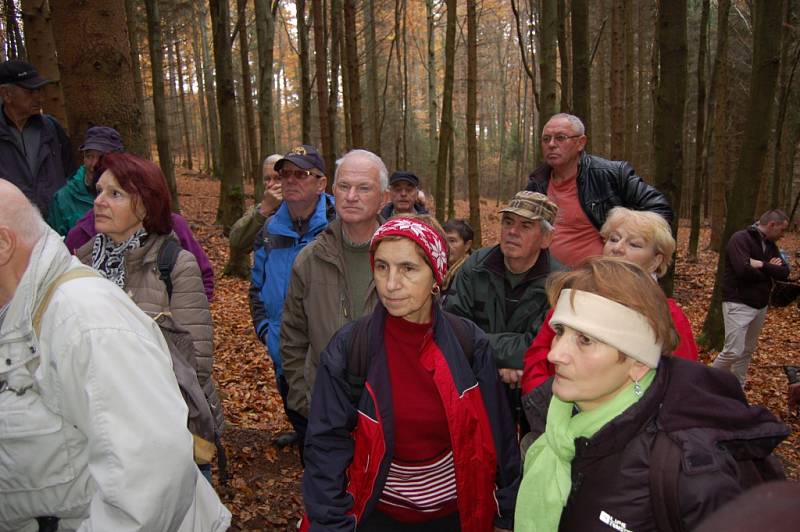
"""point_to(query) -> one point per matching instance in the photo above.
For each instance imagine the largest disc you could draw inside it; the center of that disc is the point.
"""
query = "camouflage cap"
(533, 206)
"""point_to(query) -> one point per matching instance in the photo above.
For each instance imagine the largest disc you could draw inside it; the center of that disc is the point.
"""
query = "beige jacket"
(317, 305)
(188, 306)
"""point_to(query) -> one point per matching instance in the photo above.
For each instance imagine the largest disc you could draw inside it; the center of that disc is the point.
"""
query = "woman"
(616, 399)
(132, 219)
(428, 444)
(459, 236)
(644, 238)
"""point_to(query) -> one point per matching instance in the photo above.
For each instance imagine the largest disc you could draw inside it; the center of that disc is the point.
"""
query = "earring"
(435, 290)
(637, 388)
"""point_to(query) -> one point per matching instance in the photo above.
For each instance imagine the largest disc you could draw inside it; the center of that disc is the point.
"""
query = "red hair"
(145, 181)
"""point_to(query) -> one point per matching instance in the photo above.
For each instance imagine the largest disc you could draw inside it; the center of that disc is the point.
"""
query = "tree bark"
(198, 73)
(565, 101)
(446, 127)
(41, 48)
(321, 68)
(265, 34)
(372, 77)
(630, 92)
(431, 72)
(581, 70)
(247, 89)
(351, 43)
(700, 134)
(333, 96)
(617, 86)
(742, 196)
(187, 137)
(14, 42)
(210, 93)
(472, 118)
(132, 18)
(547, 61)
(720, 176)
(305, 72)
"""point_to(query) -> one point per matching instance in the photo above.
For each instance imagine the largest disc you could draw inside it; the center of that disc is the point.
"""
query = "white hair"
(383, 173)
(22, 217)
(574, 121)
(272, 159)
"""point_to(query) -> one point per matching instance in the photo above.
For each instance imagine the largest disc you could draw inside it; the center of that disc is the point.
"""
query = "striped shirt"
(425, 488)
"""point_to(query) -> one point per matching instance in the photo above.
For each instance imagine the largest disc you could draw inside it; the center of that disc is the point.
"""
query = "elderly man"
(585, 187)
(247, 227)
(752, 261)
(305, 212)
(404, 195)
(502, 288)
(35, 153)
(331, 282)
(92, 425)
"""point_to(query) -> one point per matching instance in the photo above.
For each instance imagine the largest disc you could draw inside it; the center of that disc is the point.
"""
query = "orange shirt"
(575, 237)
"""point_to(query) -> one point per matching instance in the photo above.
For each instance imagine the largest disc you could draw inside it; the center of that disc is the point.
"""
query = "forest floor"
(263, 490)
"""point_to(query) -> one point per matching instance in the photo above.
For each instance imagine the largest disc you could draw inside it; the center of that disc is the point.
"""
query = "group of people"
(543, 383)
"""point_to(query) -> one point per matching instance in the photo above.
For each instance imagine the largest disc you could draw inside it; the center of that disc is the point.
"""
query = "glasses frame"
(559, 139)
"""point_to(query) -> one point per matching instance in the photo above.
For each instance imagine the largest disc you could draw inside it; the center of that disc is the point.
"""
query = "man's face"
(403, 195)
(521, 239)
(565, 153)
(299, 185)
(357, 191)
(269, 175)
(774, 230)
(22, 103)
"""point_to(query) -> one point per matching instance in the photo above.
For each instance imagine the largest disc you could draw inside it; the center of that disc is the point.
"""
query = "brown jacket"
(188, 306)
(317, 305)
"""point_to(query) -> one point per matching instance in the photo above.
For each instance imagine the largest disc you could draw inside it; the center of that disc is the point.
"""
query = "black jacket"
(742, 283)
(701, 409)
(603, 185)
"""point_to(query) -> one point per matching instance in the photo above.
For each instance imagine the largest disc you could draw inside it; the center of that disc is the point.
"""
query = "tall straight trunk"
(617, 86)
(581, 69)
(446, 127)
(547, 60)
(407, 115)
(321, 69)
(333, 96)
(563, 55)
(372, 76)
(172, 93)
(159, 99)
(451, 176)
(305, 72)
(720, 176)
(265, 34)
(431, 72)
(131, 16)
(787, 72)
(472, 119)
(231, 192)
(643, 147)
(347, 102)
(630, 92)
(399, 131)
(42, 52)
(351, 43)
(760, 107)
(14, 42)
(599, 140)
(700, 133)
(504, 80)
(210, 94)
(187, 138)
(247, 90)
(200, 83)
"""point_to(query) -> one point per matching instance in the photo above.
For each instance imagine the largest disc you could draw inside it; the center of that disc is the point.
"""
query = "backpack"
(183, 354)
(665, 466)
(359, 356)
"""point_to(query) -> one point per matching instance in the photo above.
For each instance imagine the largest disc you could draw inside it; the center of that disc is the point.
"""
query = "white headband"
(609, 322)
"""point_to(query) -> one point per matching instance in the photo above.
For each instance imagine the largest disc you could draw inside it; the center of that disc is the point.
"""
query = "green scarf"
(547, 479)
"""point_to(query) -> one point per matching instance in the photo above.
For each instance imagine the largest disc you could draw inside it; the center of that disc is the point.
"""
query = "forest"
(700, 96)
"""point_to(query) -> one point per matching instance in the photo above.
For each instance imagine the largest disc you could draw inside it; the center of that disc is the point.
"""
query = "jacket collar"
(494, 263)
(281, 222)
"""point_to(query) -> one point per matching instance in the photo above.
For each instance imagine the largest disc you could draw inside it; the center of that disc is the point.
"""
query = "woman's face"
(458, 247)
(627, 242)
(588, 372)
(116, 214)
(403, 280)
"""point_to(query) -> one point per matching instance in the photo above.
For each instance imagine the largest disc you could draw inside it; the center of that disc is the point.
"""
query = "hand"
(757, 264)
(794, 397)
(510, 376)
(273, 196)
(776, 261)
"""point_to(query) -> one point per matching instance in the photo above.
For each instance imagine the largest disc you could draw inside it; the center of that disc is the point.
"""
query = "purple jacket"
(84, 231)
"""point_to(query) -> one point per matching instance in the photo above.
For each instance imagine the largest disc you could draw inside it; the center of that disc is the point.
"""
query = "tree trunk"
(431, 72)
(265, 34)
(172, 93)
(617, 86)
(333, 96)
(446, 126)
(198, 73)
(472, 118)
(547, 61)
(187, 138)
(132, 16)
(451, 176)
(97, 77)
(563, 55)
(372, 76)
(599, 140)
(247, 88)
(231, 191)
(305, 72)
(630, 92)
(347, 102)
(42, 53)
(321, 69)
(720, 175)
(742, 197)
(351, 43)
(210, 94)
(700, 134)
(15, 44)
(581, 70)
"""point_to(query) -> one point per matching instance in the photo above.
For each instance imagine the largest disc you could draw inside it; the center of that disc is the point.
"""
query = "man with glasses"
(331, 281)
(305, 212)
(585, 188)
(244, 231)
(35, 152)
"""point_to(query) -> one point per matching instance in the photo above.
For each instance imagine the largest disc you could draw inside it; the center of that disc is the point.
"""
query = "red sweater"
(537, 369)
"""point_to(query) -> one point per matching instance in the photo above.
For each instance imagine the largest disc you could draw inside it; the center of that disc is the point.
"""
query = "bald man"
(92, 425)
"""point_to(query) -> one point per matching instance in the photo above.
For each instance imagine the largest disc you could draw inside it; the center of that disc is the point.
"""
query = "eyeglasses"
(558, 138)
(297, 174)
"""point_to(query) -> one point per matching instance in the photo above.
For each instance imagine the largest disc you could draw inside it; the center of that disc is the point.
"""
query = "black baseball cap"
(304, 156)
(103, 139)
(22, 74)
(403, 176)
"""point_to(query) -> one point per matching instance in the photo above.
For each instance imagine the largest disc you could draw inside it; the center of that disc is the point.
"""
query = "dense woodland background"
(700, 96)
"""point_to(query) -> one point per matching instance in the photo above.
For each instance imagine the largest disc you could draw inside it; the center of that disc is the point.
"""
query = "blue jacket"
(276, 245)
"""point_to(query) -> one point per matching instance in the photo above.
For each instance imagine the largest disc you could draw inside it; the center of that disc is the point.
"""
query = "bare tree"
(700, 133)
(472, 118)
(446, 127)
(353, 76)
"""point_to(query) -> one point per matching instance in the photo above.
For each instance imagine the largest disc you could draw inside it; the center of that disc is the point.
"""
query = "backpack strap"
(665, 467)
(167, 257)
(75, 273)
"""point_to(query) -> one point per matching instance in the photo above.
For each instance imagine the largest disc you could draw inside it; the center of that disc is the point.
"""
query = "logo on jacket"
(614, 523)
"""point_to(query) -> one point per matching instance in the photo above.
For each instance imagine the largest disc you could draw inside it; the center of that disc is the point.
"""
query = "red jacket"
(537, 369)
(348, 451)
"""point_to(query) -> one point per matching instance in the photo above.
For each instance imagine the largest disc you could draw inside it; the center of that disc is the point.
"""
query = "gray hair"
(547, 227)
(23, 217)
(272, 159)
(377, 162)
(574, 121)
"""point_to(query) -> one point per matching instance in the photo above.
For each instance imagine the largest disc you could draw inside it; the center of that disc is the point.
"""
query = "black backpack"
(359, 356)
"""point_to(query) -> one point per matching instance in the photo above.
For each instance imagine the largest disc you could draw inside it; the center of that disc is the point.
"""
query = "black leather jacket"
(603, 185)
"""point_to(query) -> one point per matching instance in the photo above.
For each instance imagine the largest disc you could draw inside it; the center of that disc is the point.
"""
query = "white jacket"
(98, 438)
